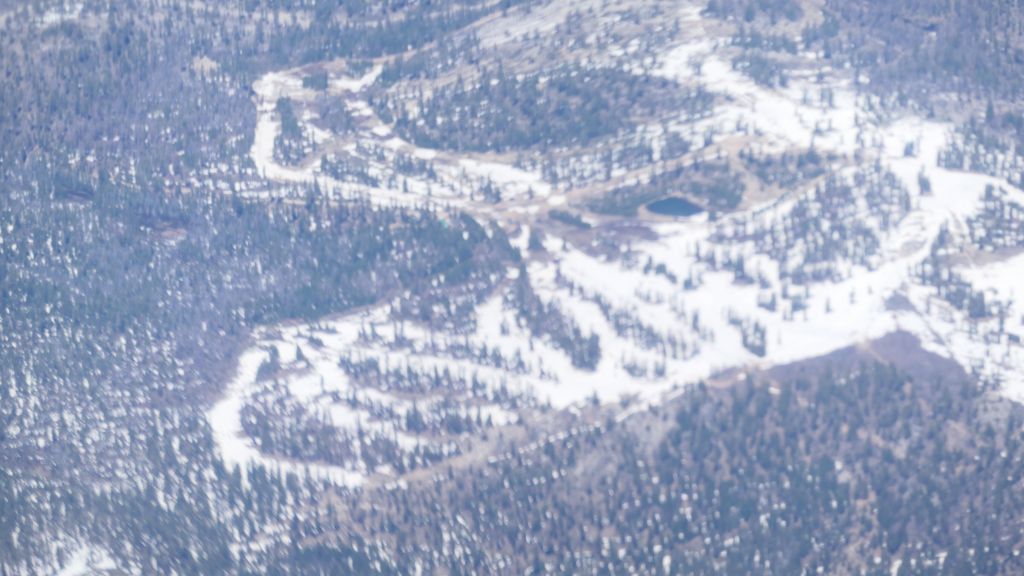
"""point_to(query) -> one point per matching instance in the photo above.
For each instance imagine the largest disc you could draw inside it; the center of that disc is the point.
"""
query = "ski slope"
(659, 332)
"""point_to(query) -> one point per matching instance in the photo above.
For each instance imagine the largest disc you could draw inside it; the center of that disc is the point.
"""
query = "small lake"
(674, 206)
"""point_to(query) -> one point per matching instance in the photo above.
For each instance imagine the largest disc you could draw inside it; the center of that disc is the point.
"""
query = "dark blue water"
(674, 206)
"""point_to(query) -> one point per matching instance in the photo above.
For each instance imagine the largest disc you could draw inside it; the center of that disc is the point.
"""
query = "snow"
(347, 84)
(87, 560)
(703, 319)
(236, 449)
(508, 177)
(458, 177)
(784, 119)
(516, 25)
(1003, 277)
(60, 13)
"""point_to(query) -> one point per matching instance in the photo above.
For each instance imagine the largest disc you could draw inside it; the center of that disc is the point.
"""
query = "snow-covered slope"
(701, 296)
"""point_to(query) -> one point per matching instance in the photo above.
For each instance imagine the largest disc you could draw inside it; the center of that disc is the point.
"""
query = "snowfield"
(695, 317)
